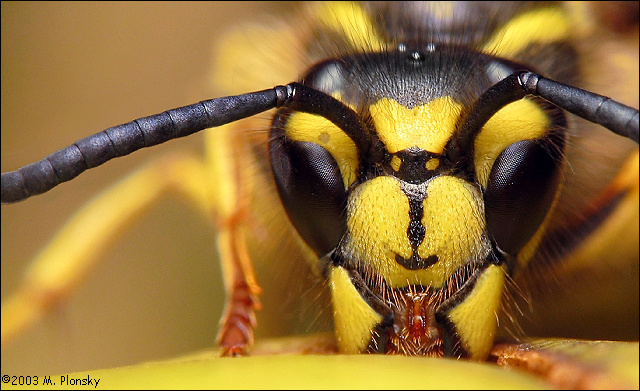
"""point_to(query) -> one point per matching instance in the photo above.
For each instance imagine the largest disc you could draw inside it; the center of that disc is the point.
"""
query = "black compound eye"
(312, 191)
(522, 186)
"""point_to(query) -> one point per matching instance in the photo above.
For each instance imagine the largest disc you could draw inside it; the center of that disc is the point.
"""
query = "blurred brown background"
(70, 70)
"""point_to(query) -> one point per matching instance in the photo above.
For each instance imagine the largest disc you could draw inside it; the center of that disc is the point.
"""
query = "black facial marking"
(416, 230)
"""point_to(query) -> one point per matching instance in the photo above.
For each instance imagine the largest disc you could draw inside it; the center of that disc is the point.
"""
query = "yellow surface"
(291, 371)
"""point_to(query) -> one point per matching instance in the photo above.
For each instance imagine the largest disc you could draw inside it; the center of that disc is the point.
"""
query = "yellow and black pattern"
(419, 178)
(412, 233)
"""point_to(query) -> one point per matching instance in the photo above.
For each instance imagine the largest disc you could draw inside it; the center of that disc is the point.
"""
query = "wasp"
(417, 236)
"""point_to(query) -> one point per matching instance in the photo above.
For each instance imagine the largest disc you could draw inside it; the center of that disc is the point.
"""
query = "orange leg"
(232, 180)
(239, 320)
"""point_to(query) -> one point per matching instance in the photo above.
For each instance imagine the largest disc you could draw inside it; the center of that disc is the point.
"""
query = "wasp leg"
(573, 364)
(238, 321)
(65, 262)
(229, 170)
(613, 214)
(623, 193)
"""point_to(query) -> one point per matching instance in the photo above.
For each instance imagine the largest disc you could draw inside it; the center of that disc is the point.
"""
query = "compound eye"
(312, 191)
(522, 186)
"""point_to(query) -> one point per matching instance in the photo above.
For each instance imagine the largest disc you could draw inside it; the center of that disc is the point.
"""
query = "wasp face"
(401, 212)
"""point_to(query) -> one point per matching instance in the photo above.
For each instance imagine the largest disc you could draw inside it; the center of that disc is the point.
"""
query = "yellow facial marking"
(351, 21)
(353, 317)
(378, 219)
(520, 120)
(319, 130)
(454, 222)
(432, 164)
(542, 25)
(476, 318)
(427, 126)
(396, 162)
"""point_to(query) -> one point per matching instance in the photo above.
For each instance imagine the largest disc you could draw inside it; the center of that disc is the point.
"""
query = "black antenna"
(121, 140)
(89, 152)
(618, 118)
